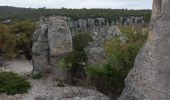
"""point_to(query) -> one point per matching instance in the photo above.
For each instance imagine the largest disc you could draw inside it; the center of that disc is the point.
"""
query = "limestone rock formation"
(96, 50)
(149, 79)
(91, 24)
(1, 61)
(51, 41)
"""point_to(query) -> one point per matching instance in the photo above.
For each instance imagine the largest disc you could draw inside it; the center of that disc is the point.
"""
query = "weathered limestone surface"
(95, 51)
(1, 61)
(150, 77)
(90, 24)
(52, 41)
(40, 48)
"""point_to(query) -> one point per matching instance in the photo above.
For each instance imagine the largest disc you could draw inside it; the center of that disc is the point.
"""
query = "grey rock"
(131, 21)
(100, 21)
(95, 51)
(149, 79)
(84, 94)
(95, 54)
(82, 23)
(70, 22)
(91, 98)
(2, 60)
(40, 48)
(121, 19)
(113, 23)
(52, 41)
(93, 24)
(90, 22)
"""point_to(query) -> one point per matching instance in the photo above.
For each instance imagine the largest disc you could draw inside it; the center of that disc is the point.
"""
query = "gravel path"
(20, 66)
(46, 89)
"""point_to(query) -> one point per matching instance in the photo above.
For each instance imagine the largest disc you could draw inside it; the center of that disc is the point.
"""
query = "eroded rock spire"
(150, 77)
(51, 42)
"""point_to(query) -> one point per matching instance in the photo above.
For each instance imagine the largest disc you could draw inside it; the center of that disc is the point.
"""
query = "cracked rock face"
(51, 42)
(150, 77)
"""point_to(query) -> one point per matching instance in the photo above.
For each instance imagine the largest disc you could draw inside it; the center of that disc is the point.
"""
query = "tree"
(23, 31)
(7, 42)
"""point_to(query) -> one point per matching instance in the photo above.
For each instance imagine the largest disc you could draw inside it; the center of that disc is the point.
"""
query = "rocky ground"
(46, 89)
(20, 66)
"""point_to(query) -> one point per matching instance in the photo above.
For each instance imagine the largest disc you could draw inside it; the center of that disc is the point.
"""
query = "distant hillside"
(7, 12)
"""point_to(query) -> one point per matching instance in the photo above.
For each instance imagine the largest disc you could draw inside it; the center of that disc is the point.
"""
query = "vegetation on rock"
(109, 77)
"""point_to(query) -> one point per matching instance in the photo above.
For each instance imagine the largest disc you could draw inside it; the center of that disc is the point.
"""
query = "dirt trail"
(20, 66)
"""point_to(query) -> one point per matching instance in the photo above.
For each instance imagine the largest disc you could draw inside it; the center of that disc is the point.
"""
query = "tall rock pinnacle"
(150, 77)
(51, 42)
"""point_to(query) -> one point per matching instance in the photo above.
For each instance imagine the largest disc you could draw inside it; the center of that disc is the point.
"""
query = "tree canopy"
(14, 13)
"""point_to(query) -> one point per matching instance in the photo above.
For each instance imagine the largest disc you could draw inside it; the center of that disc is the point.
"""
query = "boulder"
(149, 78)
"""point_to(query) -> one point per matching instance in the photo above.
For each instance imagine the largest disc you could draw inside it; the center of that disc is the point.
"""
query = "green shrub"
(37, 76)
(16, 37)
(106, 78)
(24, 31)
(12, 83)
(7, 42)
(81, 40)
(73, 63)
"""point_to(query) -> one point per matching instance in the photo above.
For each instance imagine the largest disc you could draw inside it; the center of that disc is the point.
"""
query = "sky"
(113, 4)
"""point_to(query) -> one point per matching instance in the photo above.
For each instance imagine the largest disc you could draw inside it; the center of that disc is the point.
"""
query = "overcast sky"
(130, 4)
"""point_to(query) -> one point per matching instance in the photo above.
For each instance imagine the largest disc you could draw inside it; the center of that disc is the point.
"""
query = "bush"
(81, 40)
(75, 61)
(7, 42)
(106, 78)
(12, 83)
(37, 76)
(24, 31)
(16, 37)
(109, 77)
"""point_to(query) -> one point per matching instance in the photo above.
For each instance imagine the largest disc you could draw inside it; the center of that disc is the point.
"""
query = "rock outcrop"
(91, 24)
(131, 20)
(95, 51)
(51, 41)
(1, 63)
(149, 79)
